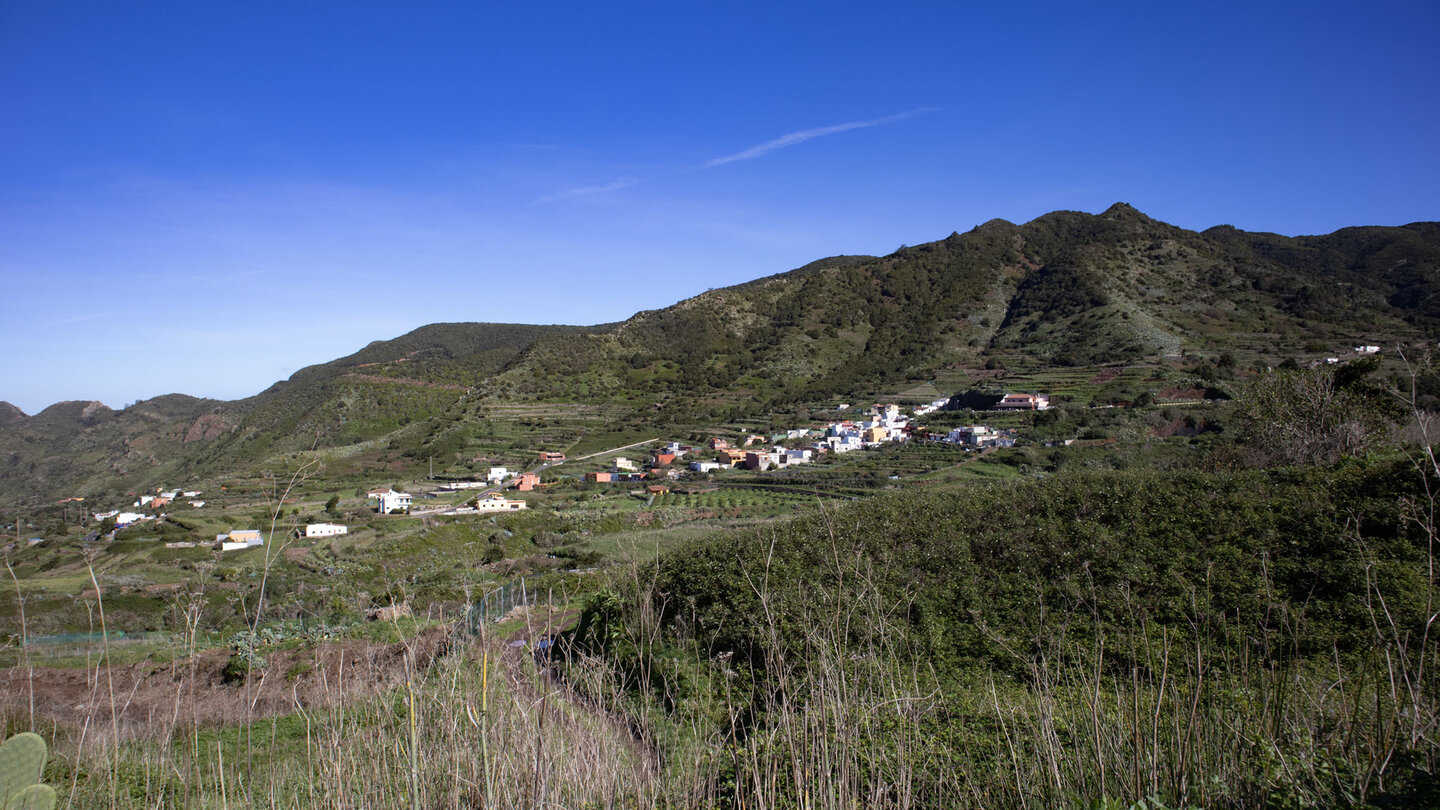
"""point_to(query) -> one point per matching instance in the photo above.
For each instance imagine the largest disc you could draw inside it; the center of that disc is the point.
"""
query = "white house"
(1367, 349)
(972, 434)
(126, 518)
(704, 466)
(931, 407)
(393, 501)
(1023, 402)
(497, 474)
(326, 530)
(623, 464)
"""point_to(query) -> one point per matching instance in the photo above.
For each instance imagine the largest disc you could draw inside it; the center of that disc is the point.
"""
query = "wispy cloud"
(807, 134)
(583, 191)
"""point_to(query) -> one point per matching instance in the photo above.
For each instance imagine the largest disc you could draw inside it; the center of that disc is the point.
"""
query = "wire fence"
(96, 637)
(495, 604)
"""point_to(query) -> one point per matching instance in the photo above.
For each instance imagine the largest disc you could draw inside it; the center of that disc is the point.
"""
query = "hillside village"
(655, 473)
(886, 424)
(509, 487)
(667, 462)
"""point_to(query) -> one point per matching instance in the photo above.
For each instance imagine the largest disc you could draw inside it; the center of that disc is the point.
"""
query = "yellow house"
(498, 503)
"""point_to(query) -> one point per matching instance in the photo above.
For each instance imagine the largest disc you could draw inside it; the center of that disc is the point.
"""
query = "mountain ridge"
(1067, 288)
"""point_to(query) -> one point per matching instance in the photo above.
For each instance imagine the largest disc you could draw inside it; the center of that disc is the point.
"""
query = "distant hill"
(73, 442)
(86, 447)
(1068, 288)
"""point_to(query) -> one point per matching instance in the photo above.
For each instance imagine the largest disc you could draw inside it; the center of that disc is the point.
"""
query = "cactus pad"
(34, 797)
(22, 757)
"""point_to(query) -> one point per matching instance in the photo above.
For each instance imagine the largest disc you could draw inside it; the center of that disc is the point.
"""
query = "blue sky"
(204, 197)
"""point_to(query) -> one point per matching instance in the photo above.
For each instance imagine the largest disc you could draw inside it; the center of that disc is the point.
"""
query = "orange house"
(528, 481)
(733, 457)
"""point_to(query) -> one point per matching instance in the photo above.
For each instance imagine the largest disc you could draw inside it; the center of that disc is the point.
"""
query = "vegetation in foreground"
(1215, 640)
(1234, 639)
(1063, 634)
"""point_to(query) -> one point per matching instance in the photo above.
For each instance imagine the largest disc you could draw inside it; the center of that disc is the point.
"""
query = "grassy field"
(569, 525)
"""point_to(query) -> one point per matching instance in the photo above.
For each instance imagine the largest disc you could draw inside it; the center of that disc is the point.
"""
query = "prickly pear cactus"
(22, 758)
(34, 797)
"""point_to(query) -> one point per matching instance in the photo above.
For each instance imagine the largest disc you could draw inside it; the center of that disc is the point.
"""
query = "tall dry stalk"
(24, 638)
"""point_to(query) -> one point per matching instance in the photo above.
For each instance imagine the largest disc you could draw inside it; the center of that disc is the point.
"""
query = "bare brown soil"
(1181, 393)
(1177, 427)
(145, 698)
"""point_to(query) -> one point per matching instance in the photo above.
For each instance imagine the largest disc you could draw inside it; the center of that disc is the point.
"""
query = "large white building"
(392, 501)
(326, 530)
(456, 486)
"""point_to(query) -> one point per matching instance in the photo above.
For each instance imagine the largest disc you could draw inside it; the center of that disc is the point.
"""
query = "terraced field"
(734, 498)
(1080, 385)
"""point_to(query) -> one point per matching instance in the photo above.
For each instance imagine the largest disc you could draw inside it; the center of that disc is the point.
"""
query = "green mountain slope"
(1068, 288)
(47, 454)
(80, 448)
(382, 387)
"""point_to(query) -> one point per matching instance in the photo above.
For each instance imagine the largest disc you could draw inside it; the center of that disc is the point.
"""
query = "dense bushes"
(1172, 548)
(1209, 639)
